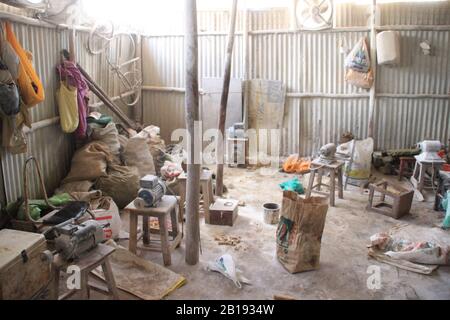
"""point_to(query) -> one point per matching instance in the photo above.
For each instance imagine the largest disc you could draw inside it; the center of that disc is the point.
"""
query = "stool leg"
(211, 191)
(371, 196)
(206, 200)
(311, 183)
(319, 180)
(333, 188)
(174, 220)
(421, 183)
(54, 295)
(165, 240)
(182, 199)
(146, 230)
(84, 286)
(133, 233)
(341, 183)
(110, 281)
(401, 169)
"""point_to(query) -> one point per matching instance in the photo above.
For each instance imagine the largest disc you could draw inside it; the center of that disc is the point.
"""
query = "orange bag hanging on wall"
(30, 86)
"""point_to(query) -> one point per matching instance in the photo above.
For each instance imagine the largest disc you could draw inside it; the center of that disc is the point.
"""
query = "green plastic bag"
(38, 206)
(446, 205)
(293, 185)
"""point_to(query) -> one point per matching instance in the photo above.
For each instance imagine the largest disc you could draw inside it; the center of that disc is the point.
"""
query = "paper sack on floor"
(300, 230)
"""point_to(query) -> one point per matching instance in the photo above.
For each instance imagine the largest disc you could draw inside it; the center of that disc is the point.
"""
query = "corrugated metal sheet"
(311, 62)
(415, 13)
(50, 145)
(322, 120)
(352, 14)
(404, 122)
(305, 62)
(53, 151)
(418, 73)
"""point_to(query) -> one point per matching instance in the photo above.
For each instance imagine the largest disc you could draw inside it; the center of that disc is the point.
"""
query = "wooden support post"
(373, 57)
(224, 102)
(192, 115)
(72, 45)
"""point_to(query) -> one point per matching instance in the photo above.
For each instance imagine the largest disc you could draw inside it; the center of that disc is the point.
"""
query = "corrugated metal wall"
(311, 63)
(49, 144)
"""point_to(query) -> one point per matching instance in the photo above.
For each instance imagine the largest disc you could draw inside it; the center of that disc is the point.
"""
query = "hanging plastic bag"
(359, 58)
(30, 86)
(13, 137)
(66, 97)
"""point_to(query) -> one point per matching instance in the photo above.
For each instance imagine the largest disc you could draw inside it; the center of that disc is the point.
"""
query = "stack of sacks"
(93, 166)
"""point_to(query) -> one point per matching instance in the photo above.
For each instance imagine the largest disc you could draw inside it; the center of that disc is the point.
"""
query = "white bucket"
(271, 213)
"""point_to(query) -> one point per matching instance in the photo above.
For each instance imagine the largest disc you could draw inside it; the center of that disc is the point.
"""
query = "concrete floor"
(344, 262)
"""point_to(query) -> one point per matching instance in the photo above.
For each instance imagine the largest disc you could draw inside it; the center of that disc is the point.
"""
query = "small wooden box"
(23, 271)
(223, 212)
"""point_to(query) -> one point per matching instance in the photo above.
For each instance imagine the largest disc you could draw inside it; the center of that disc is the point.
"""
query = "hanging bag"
(359, 58)
(30, 86)
(9, 56)
(66, 98)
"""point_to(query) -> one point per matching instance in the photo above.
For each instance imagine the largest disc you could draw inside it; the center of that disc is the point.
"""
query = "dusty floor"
(344, 262)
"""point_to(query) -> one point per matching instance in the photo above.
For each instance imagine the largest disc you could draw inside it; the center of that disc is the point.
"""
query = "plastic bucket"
(271, 213)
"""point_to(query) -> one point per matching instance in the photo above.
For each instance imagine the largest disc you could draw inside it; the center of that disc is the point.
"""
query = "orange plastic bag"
(295, 164)
(30, 86)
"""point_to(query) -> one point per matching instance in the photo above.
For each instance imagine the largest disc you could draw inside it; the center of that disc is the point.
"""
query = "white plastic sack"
(388, 48)
(226, 266)
(416, 252)
(359, 57)
(111, 216)
(362, 159)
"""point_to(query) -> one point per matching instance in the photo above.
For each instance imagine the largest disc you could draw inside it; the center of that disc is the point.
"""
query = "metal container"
(271, 213)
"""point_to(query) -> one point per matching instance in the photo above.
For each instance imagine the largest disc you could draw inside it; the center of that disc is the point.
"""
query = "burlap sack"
(137, 154)
(109, 136)
(300, 232)
(121, 184)
(89, 163)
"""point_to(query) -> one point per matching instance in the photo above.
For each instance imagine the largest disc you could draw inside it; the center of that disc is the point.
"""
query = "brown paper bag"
(300, 232)
(360, 79)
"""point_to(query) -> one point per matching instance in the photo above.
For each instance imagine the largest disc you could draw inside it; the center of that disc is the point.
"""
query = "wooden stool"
(166, 209)
(418, 178)
(206, 185)
(99, 256)
(402, 199)
(406, 163)
(335, 169)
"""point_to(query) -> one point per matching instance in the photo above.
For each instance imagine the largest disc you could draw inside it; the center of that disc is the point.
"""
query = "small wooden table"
(99, 256)
(206, 186)
(336, 170)
(165, 209)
